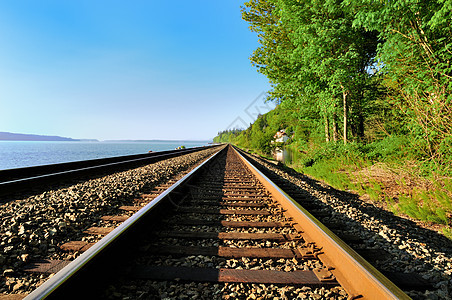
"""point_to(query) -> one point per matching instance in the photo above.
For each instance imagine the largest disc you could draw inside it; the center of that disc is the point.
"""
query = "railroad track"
(221, 231)
(38, 178)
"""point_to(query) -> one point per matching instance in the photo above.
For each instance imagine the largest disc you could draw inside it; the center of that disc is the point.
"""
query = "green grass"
(447, 231)
(433, 206)
(326, 171)
(416, 207)
(336, 164)
(374, 191)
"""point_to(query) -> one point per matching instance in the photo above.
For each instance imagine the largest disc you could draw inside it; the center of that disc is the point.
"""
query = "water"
(19, 154)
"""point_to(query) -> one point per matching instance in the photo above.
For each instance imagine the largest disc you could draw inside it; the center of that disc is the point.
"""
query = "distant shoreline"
(153, 141)
(8, 136)
(21, 154)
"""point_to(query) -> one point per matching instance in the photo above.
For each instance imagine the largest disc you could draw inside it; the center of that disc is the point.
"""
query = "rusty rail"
(70, 273)
(359, 278)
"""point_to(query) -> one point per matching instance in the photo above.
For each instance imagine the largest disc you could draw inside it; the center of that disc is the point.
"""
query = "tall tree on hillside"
(292, 82)
(417, 60)
(271, 57)
(313, 57)
(327, 45)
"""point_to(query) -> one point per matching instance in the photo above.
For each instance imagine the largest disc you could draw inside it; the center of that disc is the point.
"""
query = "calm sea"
(19, 154)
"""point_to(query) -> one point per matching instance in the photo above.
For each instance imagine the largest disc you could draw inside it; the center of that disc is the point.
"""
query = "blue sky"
(126, 69)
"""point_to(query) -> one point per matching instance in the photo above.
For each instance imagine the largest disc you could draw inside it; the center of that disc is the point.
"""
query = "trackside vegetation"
(364, 91)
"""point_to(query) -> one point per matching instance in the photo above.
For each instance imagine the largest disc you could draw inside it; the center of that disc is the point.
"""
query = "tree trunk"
(335, 132)
(361, 126)
(359, 115)
(327, 128)
(334, 128)
(344, 95)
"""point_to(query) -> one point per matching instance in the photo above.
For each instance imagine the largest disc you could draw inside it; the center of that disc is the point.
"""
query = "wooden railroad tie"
(230, 204)
(232, 224)
(298, 278)
(114, 218)
(130, 208)
(47, 266)
(248, 195)
(241, 198)
(231, 252)
(408, 281)
(98, 230)
(228, 235)
(76, 246)
(149, 196)
(215, 211)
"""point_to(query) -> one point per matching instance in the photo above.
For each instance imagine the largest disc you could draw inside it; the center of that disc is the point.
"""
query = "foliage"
(315, 60)
(432, 206)
(226, 136)
(417, 59)
(378, 73)
(384, 66)
(260, 135)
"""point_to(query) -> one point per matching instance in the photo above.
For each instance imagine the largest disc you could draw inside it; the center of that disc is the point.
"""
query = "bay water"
(19, 154)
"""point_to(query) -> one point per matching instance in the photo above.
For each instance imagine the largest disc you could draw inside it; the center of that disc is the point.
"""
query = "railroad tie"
(297, 278)
(114, 218)
(230, 204)
(46, 266)
(230, 252)
(98, 230)
(76, 246)
(249, 195)
(130, 208)
(162, 187)
(409, 281)
(248, 199)
(214, 211)
(149, 196)
(229, 235)
(231, 224)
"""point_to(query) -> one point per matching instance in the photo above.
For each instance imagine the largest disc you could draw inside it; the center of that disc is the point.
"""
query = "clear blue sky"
(125, 69)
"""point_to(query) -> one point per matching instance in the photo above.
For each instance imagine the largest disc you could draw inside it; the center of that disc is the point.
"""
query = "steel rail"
(68, 273)
(20, 173)
(357, 276)
(71, 170)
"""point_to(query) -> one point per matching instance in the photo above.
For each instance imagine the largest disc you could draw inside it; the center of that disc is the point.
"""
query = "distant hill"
(8, 136)
(153, 141)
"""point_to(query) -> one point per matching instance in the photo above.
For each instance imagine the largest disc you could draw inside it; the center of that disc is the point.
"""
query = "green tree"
(314, 58)
(338, 55)
(416, 59)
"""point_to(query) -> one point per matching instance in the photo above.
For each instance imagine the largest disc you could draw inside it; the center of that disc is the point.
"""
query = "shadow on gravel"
(396, 228)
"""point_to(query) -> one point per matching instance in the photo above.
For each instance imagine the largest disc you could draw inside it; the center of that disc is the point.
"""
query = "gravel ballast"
(128, 288)
(411, 247)
(33, 228)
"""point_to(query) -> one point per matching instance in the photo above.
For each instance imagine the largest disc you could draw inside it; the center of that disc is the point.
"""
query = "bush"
(389, 148)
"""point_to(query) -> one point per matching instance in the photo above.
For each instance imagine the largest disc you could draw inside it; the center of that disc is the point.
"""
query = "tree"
(416, 59)
(325, 59)
(271, 58)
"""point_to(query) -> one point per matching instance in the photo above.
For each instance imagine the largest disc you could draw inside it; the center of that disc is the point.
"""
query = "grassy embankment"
(386, 173)
(360, 72)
